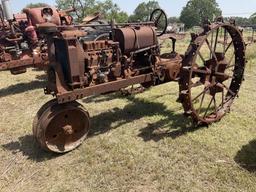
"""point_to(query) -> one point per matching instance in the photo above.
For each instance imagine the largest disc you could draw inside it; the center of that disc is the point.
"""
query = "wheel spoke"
(211, 44)
(216, 40)
(159, 17)
(224, 86)
(231, 59)
(232, 93)
(208, 107)
(230, 66)
(226, 49)
(222, 98)
(212, 52)
(201, 103)
(224, 41)
(215, 104)
(203, 92)
(201, 56)
(223, 74)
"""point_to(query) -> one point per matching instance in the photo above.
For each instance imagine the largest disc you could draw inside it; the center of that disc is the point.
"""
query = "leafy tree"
(107, 8)
(197, 10)
(143, 11)
(173, 20)
(253, 18)
(83, 7)
(110, 11)
(121, 17)
(35, 5)
(240, 21)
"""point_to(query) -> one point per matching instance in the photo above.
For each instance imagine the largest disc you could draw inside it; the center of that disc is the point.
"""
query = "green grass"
(137, 143)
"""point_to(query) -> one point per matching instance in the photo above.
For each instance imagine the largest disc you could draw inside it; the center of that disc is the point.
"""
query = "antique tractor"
(210, 73)
(21, 45)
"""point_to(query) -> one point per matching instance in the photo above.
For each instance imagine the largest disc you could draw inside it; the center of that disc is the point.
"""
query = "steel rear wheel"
(61, 128)
(212, 73)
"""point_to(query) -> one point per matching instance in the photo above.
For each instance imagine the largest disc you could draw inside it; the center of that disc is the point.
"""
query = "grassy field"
(139, 143)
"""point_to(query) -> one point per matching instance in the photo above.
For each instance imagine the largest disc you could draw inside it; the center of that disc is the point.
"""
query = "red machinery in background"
(21, 45)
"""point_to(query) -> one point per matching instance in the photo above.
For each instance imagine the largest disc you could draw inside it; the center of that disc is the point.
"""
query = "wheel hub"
(68, 130)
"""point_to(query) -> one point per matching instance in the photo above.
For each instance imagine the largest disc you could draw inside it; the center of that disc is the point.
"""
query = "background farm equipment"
(210, 73)
(251, 31)
(21, 45)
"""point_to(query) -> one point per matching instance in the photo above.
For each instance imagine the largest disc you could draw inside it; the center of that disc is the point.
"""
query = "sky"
(172, 7)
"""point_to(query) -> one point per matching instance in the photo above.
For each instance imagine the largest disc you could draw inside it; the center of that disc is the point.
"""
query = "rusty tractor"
(21, 45)
(209, 74)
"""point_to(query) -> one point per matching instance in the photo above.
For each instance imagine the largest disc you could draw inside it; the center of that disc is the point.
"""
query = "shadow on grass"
(246, 157)
(102, 98)
(21, 88)
(172, 124)
(42, 77)
(29, 148)
(116, 95)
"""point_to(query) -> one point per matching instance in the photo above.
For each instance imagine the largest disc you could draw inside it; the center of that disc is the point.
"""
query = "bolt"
(68, 130)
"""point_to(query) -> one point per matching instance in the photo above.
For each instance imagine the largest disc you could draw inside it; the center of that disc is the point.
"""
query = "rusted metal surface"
(61, 128)
(33, 62)
(42, 15)
(134, 38)
(20, 17)
(102, 88)
(171, 62)
(219, 78)
(90, 18)
(21, 45)
(65, 17)
(131, 56)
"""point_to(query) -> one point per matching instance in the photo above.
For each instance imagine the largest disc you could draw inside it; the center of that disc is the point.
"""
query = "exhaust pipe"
(7, 10)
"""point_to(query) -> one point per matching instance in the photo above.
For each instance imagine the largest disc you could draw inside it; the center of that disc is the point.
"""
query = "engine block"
(84, 64)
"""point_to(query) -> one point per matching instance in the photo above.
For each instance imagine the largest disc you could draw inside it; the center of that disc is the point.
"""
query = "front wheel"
(61, 128)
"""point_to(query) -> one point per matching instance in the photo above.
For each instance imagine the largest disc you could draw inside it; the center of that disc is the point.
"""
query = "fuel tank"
(134, 38)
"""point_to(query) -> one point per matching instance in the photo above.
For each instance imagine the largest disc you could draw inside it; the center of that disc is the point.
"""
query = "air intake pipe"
(7, 10)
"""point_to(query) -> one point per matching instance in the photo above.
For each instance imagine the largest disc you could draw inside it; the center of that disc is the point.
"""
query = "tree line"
(192, 14)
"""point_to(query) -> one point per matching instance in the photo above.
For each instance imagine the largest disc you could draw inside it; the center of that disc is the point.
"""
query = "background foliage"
(192, 14)
(197, 10)
(107, 8)
(143, 11)
(35, 5)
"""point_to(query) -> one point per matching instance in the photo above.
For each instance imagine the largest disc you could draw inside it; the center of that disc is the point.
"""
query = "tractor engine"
(133, 51)
(102, 61)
